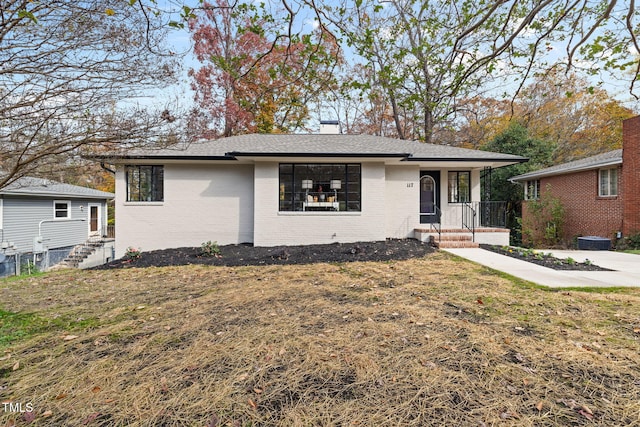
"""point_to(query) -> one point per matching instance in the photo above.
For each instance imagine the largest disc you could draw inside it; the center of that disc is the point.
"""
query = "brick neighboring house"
(600, 194)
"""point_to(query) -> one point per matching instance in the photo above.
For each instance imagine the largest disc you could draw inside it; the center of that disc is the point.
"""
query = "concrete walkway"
(626, 266)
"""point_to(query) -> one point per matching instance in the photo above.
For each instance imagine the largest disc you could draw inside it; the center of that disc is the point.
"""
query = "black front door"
(429, 197)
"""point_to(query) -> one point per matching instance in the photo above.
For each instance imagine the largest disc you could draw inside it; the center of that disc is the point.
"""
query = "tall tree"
(71, 75)
(580, 119)
(256, 75)
(427, 56)
(516, 140)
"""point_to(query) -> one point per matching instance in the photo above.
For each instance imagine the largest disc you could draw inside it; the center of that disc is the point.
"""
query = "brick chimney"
(631, 176)
(330, 127)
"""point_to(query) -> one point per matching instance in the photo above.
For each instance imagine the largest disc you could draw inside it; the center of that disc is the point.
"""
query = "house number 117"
(409, 184)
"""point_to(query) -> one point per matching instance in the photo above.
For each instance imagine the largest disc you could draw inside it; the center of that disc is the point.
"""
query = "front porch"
(478, 222)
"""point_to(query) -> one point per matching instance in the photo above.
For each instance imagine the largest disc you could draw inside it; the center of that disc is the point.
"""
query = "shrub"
(132, 253)
(210, 249)
(545, 221)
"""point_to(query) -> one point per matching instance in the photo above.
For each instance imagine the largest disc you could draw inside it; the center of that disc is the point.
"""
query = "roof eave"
(542, 174)
(55, 195)
(236, 154)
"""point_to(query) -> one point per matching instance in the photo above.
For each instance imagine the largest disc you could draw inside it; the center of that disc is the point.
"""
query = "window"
(532, 190)
(320, 187)
(61, 209)
(145, 183)
(459, 187)
(608, 182)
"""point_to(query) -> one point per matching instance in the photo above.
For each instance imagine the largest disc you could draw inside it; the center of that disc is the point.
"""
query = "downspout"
(102, 165)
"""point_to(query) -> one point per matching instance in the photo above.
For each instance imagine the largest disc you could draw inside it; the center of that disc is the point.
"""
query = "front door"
(429, 197)
(94, 219)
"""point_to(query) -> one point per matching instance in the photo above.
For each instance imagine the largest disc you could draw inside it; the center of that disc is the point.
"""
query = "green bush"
(210, 249)
(132, 253)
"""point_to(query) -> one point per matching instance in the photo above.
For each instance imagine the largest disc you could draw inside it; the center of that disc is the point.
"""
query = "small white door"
(95, 223)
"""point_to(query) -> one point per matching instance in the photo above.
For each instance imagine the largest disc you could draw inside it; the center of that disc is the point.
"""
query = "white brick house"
(272, 190)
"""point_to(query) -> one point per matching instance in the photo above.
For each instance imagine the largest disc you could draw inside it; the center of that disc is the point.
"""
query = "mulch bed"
(243, 255)
(543, 259)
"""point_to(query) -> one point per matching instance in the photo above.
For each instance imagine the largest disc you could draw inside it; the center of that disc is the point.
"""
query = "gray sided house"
(38, 215)
(272, 190)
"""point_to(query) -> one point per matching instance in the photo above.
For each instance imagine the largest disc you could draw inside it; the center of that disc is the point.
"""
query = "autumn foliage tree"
(256, 76)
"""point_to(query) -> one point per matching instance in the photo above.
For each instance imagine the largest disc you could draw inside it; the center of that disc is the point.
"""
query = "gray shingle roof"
(594, 162)
(29, 186)
(321, 146)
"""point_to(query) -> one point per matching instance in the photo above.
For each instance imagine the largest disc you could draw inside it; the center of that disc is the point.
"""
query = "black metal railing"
(437, 223)
(469, 219)
(492, 214)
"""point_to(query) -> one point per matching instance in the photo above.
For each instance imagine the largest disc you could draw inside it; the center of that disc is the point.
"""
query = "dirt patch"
(543, 259)
(244, 255)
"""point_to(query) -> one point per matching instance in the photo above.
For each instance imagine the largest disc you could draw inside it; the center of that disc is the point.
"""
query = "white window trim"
(536, 195)
(68, 203)
(1, 213)
(608, 170)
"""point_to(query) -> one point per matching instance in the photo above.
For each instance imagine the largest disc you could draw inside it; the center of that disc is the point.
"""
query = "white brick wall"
(274, 228)
(217, 202)
(201, 203)
(403, 201)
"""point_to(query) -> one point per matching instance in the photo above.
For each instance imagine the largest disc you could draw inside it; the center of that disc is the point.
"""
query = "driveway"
(626, 268)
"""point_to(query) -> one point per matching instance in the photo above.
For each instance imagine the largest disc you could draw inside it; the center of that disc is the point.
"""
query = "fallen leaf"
(636, 330)
(586, 409)
(61, 396)
(7, 357)
(585, 414)
(96, 389)
(69, 337)
(163, 384)
(29, 417)
(140, 307)
(257, 390)
(213, 421)
(91, 418)
(539, 406)
(252, 403)
(479, 301)
(47, 414)
(167, 328)
(16, 366)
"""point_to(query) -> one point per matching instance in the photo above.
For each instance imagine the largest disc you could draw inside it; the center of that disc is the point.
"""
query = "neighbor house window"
(459, 187)
(608, 182)
(532, 190)
(61, 209)
(320, 187)
(145, 183)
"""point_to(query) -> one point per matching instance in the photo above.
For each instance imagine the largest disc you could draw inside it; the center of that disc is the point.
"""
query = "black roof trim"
(368, 155)
(164, 157)
(465, 159)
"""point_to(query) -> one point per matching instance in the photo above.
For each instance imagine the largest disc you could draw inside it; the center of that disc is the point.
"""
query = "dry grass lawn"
(431, 341)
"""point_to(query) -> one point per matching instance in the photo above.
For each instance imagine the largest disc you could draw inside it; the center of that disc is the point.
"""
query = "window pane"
(464, 190)
(145, 183)
(613, 182)
(604, 182)
(307, 186)
(453, 187)
(61, 210)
